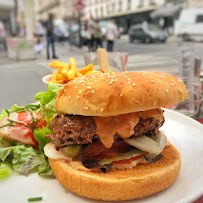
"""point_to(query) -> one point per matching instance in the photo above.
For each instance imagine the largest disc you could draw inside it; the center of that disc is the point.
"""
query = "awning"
(170, 9)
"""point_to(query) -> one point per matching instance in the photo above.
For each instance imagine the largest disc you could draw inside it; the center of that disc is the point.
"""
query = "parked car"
(147, 33)
(189, 26)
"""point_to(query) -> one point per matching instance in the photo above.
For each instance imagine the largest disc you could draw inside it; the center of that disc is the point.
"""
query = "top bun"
(111, 94)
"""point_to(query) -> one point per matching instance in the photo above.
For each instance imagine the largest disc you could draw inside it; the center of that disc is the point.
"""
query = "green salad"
(23, 157)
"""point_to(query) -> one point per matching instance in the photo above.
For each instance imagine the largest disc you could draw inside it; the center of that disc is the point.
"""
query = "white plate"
(183, 132)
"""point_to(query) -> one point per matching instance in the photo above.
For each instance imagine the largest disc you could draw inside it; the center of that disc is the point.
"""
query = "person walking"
(3, 35)
(72, 38)
(111, 35)
(98, 36)
(91, 30)
(49, 25)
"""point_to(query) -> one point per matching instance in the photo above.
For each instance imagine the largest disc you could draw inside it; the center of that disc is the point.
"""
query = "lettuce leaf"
(4, 152)
(45, 97)
(40, 136)
(5, 169)
(25, 158)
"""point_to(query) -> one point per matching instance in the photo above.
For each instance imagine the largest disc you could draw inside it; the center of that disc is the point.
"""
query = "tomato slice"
(26, 118)
(129, 161)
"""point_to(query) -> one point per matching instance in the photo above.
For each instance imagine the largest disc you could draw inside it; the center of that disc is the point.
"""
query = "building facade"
(125, 12)
(62, 9)
(8, 15)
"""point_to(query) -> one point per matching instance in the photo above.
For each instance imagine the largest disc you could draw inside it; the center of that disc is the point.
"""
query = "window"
(107, 8)
(129, 4)
(101, 11)
(199, 19)
(141, 3)
(120, 6)
(152, 3)
(113, 7)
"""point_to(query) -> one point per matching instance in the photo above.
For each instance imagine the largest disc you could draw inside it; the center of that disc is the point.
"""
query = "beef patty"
(70, 129)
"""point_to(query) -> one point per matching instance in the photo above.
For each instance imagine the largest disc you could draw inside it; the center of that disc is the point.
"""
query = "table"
(18, 85)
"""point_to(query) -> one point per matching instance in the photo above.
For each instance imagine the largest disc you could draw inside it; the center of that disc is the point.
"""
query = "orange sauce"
(122, 124)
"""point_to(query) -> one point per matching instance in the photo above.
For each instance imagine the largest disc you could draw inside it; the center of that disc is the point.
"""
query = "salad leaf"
(45, 97)
(5, 169)
(25, 158)
(4, 152)
(45, 170)
(40, 136)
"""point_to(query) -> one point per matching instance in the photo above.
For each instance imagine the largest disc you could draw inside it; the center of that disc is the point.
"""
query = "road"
(142, 57)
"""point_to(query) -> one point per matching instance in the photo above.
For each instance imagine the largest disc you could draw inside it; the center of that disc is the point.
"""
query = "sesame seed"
(115, 80)
(152, 81)
(85, 107)
(69, 97)
(79, 92)
(180, 90)
(162, 76)
(88, 83)
(125, 76)
(93, 91)
(143, 73)
(75, 86)
(78, 97)
(88, 87)
(129, 79)
(110, 82)
(154, 103)
(121, 94)
(172, 84)
(166, 90)
(133, 84)
(128, 82)
(102, 109)
(160, 82)
(65, 90)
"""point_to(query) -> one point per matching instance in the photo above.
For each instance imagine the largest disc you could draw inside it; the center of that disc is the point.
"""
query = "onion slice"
(51, 152)
(144, 143)
(161, 139)
(147, 144)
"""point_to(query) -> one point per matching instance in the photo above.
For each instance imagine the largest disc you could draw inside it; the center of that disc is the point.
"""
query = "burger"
(106, 143)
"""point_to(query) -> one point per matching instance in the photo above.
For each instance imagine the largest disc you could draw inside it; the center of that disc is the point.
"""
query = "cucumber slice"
(127, 155)
(73, 150)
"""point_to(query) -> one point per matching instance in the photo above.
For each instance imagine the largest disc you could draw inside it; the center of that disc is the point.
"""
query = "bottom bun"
(141, 181)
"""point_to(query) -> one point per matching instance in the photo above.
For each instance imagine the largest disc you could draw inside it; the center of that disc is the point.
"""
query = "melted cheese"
(122, 124)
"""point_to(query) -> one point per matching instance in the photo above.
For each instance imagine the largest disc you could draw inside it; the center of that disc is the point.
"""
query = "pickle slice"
(73, 150)
(127, 155)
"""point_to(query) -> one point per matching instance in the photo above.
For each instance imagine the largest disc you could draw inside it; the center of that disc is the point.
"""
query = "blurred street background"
(151, 31)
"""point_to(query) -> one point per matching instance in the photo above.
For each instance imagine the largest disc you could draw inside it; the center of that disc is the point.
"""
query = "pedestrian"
(49, 25)
(98, 35)
(91, 30)
(38, 43)
(40, 29)
(3, 35)
(72, 38)
(111, 35)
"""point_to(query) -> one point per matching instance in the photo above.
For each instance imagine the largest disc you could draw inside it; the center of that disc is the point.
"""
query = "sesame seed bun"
(109, 94)
(141, 181)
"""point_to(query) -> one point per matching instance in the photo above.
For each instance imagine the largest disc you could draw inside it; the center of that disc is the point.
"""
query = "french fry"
(65, 70)
(57, 64)
(60, 76)
(87, 68)
(78, 74)
(92, 72)
(53, 77)
(71, 73)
